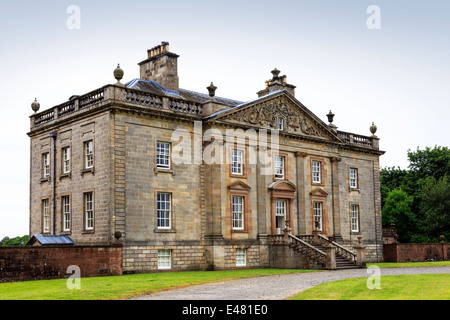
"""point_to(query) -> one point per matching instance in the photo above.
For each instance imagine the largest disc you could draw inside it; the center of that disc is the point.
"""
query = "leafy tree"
(435, 207)
(17, 241)
(397, 208)
(429, 162)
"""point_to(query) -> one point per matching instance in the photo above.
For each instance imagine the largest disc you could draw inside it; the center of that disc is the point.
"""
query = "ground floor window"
(164, 259)
(241, 257)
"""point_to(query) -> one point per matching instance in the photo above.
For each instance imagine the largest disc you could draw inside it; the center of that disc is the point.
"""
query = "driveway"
(276, 287)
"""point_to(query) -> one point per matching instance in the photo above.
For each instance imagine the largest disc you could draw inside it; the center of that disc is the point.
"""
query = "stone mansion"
(152, 166)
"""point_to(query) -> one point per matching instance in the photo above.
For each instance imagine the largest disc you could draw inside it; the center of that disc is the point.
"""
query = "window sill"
(239, 231)
(47, 179)
(65, 175)
(240, 176)
(164, 230)
(350, 189)
(87, 231)
(355, 233)
(163, 170)
(86, 170)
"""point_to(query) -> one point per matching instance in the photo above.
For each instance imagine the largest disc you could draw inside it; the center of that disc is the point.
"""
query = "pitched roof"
(45, 240)
(153, 87)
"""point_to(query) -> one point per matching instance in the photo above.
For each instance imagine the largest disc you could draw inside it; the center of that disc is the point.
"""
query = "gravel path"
(276, 287)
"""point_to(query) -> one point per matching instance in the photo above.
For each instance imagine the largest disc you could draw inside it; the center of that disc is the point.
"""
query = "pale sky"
(397, 76)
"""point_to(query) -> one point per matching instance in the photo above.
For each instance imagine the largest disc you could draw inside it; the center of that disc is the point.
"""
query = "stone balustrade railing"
(359, 140)
(117, 94)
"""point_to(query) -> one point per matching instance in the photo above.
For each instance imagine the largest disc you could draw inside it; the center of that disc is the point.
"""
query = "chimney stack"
(276, 83)
(161, 66)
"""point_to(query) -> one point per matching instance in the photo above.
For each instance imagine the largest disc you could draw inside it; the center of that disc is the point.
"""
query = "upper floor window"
(353, 178)
(316, 172)
(280, 123)
(163, 155)
(46, 165)
(89, 154)
(66, 160)
(237, 162)
(238, 212)
(163, 210)
(279, 167)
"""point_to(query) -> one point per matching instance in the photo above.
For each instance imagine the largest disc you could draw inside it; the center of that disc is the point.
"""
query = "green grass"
(120, 287)
(401, 287)
(410, 264)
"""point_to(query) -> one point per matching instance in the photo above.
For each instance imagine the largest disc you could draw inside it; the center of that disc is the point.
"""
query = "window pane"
(89, 210)
(318, 215)
(279, 167)
(163, 210)
(89, 154)
(66, 213)
(316, 171)
(66, 160)
(353, 178)
(280, 208)
(164, 259)
(237, 160)
(355, 218)
(46, 215)
(238, 212)
(163, 155)
(241, 257)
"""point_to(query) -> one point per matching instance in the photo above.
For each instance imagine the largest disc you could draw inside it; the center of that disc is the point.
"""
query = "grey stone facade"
(125, 123)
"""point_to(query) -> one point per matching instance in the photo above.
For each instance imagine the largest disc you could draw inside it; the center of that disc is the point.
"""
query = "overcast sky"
(393, 71)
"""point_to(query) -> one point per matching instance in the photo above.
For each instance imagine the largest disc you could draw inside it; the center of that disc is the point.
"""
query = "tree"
(397, 208)
(435, 207)
(17, 241)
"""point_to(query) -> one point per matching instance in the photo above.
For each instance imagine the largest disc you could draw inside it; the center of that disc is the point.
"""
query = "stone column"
(336, 216)
(330, 250)
(301, 196)
(360, 254)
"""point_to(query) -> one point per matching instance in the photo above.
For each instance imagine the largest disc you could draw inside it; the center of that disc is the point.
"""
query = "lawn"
(400, 287)
(410, 264)
(120, 287)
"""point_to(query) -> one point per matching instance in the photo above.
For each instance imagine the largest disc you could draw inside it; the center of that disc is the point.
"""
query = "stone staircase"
(342, 262)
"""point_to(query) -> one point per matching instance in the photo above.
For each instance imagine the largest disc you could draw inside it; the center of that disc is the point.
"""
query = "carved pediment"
(264, 114)
(239, 185)
(283, 185)
(318, 192)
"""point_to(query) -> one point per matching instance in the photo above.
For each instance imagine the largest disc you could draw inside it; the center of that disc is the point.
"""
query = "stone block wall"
(144, 258)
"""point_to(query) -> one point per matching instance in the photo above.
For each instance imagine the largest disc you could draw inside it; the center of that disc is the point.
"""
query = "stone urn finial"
(118, 74)
(35, 105)
(275, 72)
(330, 116)
(373, 128)
(117, 235)
(212, 90)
